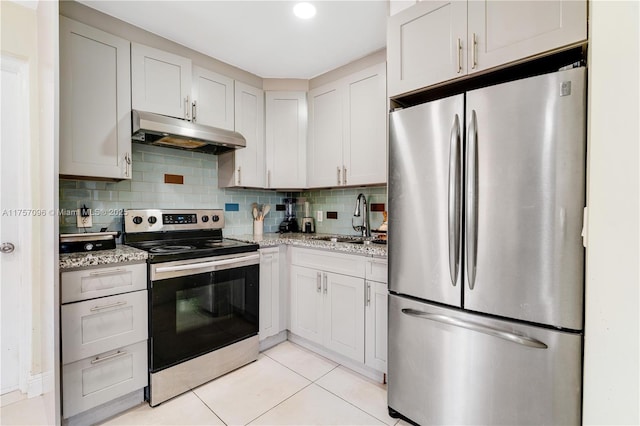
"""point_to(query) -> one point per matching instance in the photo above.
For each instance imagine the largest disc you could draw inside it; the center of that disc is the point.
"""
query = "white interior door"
(15, 355)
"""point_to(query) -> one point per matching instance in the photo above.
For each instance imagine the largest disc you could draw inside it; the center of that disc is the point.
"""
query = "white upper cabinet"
(325, 136)
(504, 31)
(286, 140)
(95, 103)
(348, 130)
(161, 82)
(244, 167)
(424, 45)
(364, 151)
(213, 99)
(435, 41)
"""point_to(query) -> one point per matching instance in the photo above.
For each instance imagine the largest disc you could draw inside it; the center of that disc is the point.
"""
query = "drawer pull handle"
(113, 305)
(109, 272)
(118, 354)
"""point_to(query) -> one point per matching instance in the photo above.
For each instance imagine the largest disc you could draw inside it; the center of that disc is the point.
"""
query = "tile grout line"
(319, 385)
(281, 402)
(352, 404)
(210, 409)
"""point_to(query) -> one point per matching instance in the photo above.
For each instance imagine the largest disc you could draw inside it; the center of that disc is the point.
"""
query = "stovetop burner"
(171, 235)
(171, 249)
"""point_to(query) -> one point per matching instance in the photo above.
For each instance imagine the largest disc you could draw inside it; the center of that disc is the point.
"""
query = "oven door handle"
(213, 264)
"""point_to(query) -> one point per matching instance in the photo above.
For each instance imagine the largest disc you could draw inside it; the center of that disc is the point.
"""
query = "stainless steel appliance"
(308, 225)
(90, 241)
(203, 298)
(170, 132)
(289, 224)
(485, 254)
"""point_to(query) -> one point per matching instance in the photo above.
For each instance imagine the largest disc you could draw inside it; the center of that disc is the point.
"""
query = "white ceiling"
(263, 37)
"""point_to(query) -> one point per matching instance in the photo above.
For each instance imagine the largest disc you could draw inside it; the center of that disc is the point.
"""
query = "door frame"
(26, 383)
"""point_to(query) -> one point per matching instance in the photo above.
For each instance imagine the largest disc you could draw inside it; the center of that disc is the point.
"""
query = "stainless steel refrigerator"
(486, 198)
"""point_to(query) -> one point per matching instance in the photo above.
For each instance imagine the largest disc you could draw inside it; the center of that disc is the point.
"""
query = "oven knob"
(137, 220)
(152, 220)
(215, 218)
(205, 218)
(88, 247)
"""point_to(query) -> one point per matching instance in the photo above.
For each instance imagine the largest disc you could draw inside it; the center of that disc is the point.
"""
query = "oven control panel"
(154, 220)
(181, 219)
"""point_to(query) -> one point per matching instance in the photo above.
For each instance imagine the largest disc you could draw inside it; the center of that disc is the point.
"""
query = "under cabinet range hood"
(169, 132)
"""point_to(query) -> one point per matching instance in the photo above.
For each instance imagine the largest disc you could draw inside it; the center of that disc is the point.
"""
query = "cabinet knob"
(7, 248)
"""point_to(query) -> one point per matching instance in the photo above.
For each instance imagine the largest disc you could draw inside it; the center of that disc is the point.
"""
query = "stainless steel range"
(203, 297)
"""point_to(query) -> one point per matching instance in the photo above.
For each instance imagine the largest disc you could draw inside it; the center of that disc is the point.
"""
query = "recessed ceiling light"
(304, 10)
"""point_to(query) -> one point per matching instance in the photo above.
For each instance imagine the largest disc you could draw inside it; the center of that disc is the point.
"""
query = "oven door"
(199, 305)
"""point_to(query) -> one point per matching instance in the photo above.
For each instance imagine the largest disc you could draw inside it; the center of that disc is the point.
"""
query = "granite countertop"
(123, 253)
(313, 241)
(120, 254)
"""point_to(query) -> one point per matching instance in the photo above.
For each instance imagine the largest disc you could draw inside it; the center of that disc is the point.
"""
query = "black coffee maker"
(289, 224)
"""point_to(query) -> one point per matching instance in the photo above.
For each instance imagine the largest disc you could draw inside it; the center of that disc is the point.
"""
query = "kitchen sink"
(350, 240)
(335, 239)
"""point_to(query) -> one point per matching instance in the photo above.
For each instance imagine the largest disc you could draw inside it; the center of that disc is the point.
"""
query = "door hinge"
(585, 221)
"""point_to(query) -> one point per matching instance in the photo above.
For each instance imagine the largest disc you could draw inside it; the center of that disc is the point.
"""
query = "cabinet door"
(286, 139)
(102, 281)
(93, 381)
(505, 31)
(425, 45)
(365, 128)
(269, 293)
(95, 102)
(213, 99)
(376, 326)
(324, 159)
(249, 116)
(99, 325)
(344, 315)
(160, 82)
(306, 303)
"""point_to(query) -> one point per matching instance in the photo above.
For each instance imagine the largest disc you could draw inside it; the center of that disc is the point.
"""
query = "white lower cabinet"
(98, 325)
(269, 293)
(93, 381)
(339, 302)
(104, 330)
(344, 315)
(375, 354)
(328, 309)
(306, 303)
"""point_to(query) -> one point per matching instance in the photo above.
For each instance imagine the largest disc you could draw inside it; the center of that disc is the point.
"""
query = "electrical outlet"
(83, 221)
(319, 216)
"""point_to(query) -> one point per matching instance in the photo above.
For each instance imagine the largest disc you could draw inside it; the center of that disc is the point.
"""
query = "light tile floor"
(287, 385)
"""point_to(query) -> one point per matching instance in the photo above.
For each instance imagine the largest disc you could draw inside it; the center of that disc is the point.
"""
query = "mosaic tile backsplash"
(147, 189)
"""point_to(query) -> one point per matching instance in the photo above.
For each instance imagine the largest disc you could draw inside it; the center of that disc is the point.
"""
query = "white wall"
(45, 182)
(31, 33)
(611, 374)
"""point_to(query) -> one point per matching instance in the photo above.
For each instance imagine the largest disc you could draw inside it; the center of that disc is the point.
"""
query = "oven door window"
(195, 314)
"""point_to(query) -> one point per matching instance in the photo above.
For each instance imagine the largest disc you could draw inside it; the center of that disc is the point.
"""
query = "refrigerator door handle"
(480, 328)
(454, 201)
(471, 217)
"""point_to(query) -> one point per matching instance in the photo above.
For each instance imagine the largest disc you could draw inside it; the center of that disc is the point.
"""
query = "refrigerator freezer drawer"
(451, 367)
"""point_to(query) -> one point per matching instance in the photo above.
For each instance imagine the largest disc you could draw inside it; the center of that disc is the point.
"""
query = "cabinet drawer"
(99, 282)
(96, 380)
(377, 270)
(96, 326)
(339, 263)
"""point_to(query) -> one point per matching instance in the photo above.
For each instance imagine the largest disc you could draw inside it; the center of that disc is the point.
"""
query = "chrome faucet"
(361, 206)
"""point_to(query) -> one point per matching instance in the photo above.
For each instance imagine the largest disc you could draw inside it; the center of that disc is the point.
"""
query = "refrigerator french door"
(486, 197)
